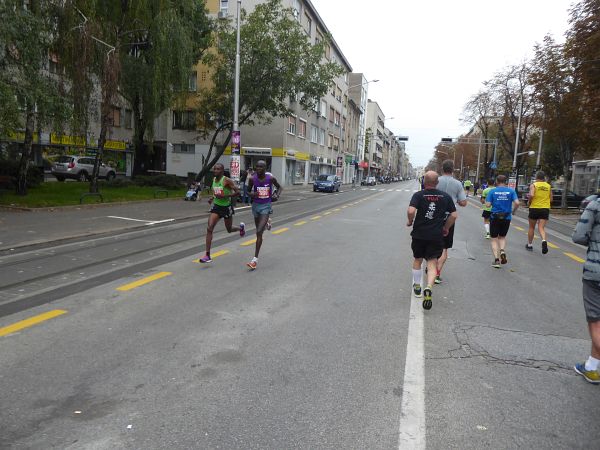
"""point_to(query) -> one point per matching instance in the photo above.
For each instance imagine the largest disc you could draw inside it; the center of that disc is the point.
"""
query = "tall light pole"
(236, 143)
(518, 134)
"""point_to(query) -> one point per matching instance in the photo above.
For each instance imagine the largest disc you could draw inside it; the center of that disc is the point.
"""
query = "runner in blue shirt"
(503, 202)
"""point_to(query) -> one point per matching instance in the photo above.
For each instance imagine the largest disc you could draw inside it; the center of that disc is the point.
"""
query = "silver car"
(79, 168)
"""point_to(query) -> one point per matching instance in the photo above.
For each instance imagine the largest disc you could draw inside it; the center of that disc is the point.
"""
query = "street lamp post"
(236, 142)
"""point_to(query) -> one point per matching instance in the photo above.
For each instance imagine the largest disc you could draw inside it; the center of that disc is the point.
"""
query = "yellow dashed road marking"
(519, 228)
(344, 207)
(326, 213)
(281, 230)
(315, 218)
(298, 224)
(214, 255)
(143, 281)
(337, 209)
(551, 245)
(574, 257)
(247, 243)
(31, 321)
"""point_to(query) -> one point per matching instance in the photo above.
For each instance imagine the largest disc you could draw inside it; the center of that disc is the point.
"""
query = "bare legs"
(541, 223)
(440, 262)
(498, 245)
(213, 219)
(594, 328)
(431, 268)
(261, 223)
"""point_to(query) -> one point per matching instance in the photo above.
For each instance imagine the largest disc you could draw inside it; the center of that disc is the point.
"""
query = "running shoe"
(427, 303)
(503, 259)
(438, 280)
(496, 264)
(591, 376)
(252, 265)
(269, 224)
(544, 247)
(529, 247)
(417, 289)
(487, 236)
(205, 259)
(242, 229)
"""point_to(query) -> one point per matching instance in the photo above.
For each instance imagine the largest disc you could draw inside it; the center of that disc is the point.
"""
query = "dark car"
(586, 201)
(327, 183)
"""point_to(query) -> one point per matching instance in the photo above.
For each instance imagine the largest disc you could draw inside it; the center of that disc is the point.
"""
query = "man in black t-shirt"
(431, 213)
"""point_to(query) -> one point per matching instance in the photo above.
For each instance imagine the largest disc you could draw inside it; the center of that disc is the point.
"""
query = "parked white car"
(80, 168)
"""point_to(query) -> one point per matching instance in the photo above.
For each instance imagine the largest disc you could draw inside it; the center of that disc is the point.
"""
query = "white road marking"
(381, 190)
(406, 190)
(161, 221)
(372, 189)
(390, 190)
(129, 218)
(412, 413)
(398, 190)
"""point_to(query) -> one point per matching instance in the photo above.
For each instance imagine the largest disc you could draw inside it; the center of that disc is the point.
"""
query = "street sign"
(493, 165)
(446, 139)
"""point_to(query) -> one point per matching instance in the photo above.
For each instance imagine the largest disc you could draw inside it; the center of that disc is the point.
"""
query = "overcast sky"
(432, 55)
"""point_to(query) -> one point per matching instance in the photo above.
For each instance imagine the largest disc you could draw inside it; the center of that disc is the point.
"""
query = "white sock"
(254, 259)
(417, 274)
(592, 363)
(487, 227)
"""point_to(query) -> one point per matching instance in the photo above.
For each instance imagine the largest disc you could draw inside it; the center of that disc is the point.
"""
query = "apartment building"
(358, 94)
(375, 135)
(296, 148)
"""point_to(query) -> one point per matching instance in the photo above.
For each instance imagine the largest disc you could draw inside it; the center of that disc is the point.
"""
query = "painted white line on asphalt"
(161, 221)
(412, 413)
(406, 190)
(398, 190)
(372, 189)
(390, 190)
(381, 190)
(128, 218)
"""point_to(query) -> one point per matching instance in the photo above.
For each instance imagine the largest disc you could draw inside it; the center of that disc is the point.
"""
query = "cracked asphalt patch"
(515, 347)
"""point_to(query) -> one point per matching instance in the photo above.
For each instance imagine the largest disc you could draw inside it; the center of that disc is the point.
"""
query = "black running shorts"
(539, 213)
(486, 214)
(449, 238)
(423, 248)
(499, 227)
(224, 212)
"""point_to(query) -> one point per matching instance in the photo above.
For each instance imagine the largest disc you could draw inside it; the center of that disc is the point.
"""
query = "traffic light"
(446, 139)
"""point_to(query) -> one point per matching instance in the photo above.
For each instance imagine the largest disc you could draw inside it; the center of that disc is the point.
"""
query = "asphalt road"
(322, 347)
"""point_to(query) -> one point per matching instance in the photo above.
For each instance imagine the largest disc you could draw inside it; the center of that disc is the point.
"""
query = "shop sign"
(115, 145)
(348, 159)
(64, 139)
(19, 136)
(301, 156)
(257, 151)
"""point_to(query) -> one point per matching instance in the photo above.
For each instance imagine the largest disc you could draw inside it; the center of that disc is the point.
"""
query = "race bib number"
(218, 191)
(263, 191)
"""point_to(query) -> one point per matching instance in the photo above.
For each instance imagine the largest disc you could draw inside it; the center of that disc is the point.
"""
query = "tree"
(277, 62)
(142, 50)
(31, 96)
(583, 47)
(168, 42)
(479, 111)
(559, 92)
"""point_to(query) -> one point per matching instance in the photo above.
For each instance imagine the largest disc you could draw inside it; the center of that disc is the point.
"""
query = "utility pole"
(236, 142)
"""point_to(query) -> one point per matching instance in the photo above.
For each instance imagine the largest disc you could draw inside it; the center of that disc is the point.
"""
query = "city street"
(121, 340)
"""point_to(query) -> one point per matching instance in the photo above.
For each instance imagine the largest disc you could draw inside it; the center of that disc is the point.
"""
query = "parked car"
(80, 168)
(586, 201)
(573, 200)
(369, 181)
(522, 190)
(327, 182)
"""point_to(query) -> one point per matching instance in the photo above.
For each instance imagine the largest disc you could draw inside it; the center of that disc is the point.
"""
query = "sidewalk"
(21, 228)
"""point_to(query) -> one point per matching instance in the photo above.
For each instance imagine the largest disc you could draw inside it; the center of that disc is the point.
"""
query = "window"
(321, 136)
(193, 82)
(224, 6)
(328, 51)
(291, 125)
(333, 89)
(314, 134)
(128, 119)
(184, 120)
(329, 140)
(302, 129)
(184, 148)
(318, 38)
(307, 24)
(336, 143)
(323, 108)
(296, 9)
(316, 107)
(338, 94)
(115, 117)
(337, 119)
(331, 114)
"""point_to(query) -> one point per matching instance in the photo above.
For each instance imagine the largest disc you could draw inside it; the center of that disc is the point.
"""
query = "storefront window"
(300, 173)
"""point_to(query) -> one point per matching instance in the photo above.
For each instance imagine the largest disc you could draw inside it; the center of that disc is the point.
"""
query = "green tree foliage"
(142, 50)
(558, 92)
(31, 96)
(277, 62)
(583, 47)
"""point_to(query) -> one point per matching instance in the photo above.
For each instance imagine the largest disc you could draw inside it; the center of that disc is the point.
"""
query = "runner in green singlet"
(487, 211)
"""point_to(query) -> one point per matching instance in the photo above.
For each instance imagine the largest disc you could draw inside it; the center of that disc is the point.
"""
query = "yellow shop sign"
(64, 139)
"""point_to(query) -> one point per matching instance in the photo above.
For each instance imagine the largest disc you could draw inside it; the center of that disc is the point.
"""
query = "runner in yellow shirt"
(540, 194)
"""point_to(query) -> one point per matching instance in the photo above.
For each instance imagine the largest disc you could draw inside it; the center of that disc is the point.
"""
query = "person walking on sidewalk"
(503, 202)
(487, 212)
(224, 189)
(260, 189)
(431, 213)
(454, 189)
(540, 194)
(587, 232)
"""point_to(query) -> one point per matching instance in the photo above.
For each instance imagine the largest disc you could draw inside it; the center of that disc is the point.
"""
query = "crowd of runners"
(432, 214)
